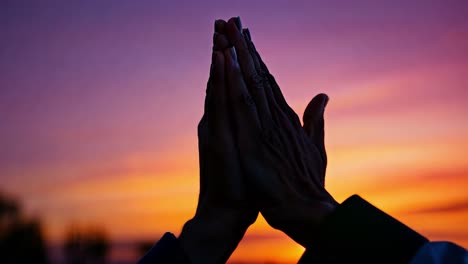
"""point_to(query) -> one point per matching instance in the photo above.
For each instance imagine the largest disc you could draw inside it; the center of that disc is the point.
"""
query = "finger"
(207, 97)
(218, 114)
(220, 26)
(222, 144)
(252, 78)
(203, 140)
(209, 88)
(274, 108)
(250, 46)
(313, 115)
(279, 116)
(314, 122)
(275, 91)
(242, 106)
(220, 42)
(258, 64)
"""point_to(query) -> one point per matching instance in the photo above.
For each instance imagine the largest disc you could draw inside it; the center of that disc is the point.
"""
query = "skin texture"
(254, 154)
(285, 162)
(223, 212)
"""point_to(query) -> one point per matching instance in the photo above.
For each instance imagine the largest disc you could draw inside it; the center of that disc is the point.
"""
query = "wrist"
(212, 237)
(300, 221)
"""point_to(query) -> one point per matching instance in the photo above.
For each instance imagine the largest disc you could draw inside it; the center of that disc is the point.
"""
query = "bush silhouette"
(21, 240)
(86, 246)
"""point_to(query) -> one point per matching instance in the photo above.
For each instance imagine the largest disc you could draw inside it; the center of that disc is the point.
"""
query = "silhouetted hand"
(284, 161)
(223, 213)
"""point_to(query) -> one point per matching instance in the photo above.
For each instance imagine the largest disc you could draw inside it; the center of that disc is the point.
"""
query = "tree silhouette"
(86, 246)
(143, 247)
(21, 240)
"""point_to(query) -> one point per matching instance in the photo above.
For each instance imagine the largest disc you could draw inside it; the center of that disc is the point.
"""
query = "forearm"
(207, 240)
(213, 238)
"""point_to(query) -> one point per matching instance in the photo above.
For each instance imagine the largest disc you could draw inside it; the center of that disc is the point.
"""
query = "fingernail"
(238, 23)
(247, 33)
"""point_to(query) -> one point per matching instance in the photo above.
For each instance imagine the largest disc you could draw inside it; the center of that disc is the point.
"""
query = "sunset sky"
(99, 103)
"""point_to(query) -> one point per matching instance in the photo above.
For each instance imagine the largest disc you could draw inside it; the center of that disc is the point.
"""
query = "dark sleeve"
(166, 250)
(358, 232)
(440, 253)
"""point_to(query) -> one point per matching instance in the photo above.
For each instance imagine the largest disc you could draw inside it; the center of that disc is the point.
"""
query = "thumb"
(314, 125)
(313, 117)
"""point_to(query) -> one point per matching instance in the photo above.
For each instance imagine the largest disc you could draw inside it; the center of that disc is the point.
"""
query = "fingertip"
(315, 108)
(232, 30)
(319, 101)
(236, 22)
(323, 98)
(324, 95)
(220, 26)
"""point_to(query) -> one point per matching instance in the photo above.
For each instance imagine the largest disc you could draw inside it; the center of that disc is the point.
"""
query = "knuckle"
(248, 100)
(257, 81)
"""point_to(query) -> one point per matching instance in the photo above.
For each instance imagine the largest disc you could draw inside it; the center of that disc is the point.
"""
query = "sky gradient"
(100, 100)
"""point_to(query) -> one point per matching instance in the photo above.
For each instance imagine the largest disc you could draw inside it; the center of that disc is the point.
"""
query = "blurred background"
(99, 103)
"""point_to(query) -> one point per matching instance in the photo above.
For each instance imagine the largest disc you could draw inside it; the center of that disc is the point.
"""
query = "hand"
(284, 161)
(223, 213)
